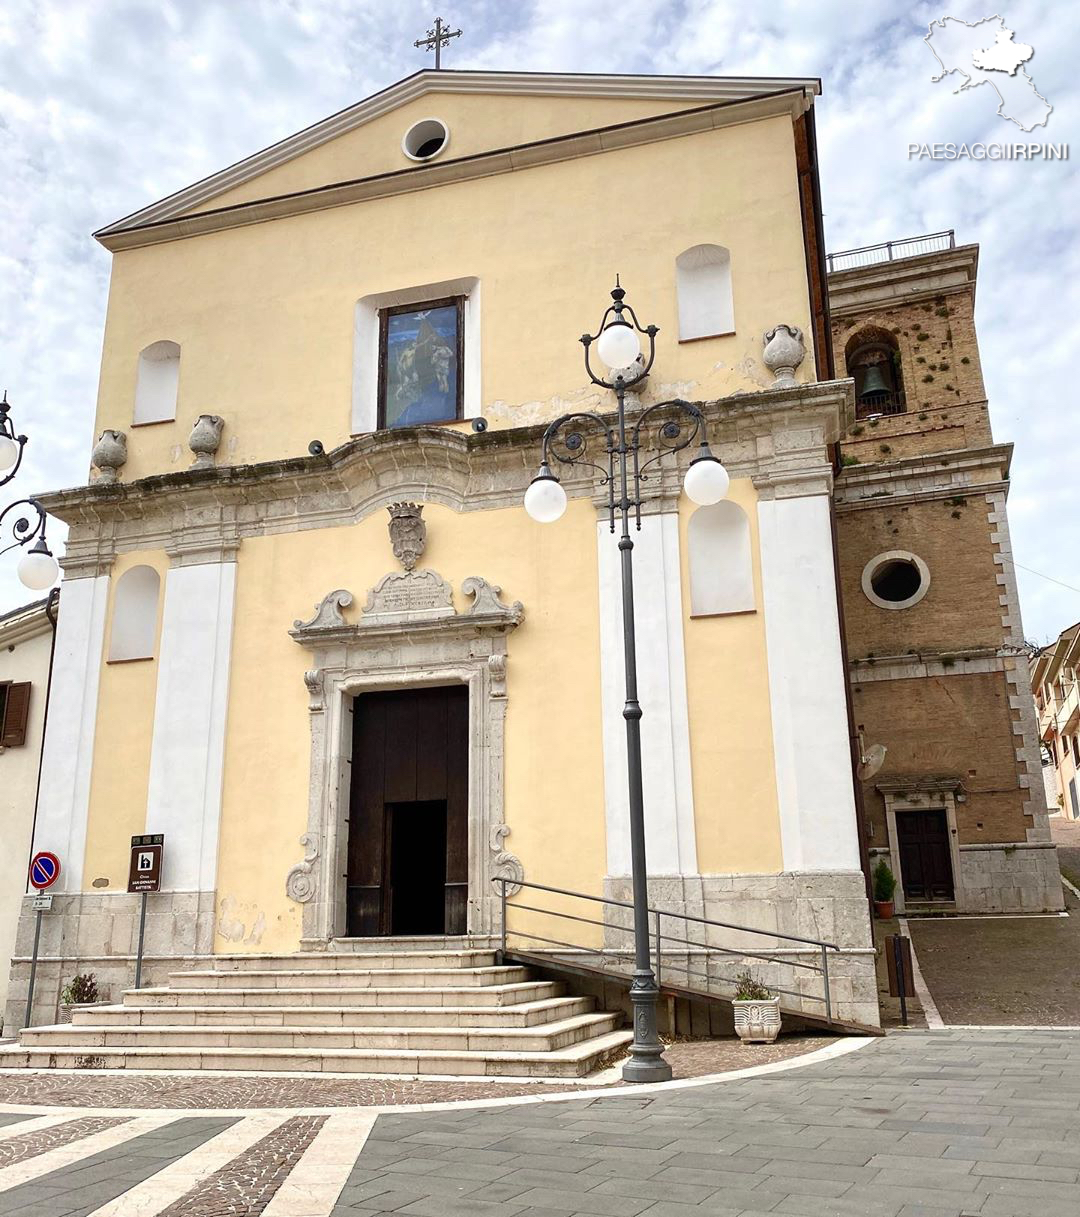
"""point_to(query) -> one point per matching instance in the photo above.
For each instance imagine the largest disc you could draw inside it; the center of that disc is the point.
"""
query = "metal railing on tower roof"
(890, 251)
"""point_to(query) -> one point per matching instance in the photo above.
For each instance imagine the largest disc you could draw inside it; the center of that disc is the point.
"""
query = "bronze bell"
(874, 382)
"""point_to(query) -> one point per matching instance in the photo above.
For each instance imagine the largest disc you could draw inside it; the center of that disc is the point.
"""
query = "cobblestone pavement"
(1005, 971)
(919, 1124)
(249, 1091)
(249, 1181)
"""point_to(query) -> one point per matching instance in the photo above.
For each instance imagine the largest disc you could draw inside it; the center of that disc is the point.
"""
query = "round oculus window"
(425, 139)
(895, 580)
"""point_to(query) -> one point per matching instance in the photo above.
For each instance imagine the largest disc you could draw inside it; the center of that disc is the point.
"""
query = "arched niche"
(872, 359)
(721, 561)
(134, 621)
(703, 284)
(157, 382)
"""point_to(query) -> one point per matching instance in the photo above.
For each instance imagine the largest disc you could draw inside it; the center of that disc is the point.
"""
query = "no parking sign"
(44, 870)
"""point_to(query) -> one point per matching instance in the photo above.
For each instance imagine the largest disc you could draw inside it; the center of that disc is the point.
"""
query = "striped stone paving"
(925, 1124)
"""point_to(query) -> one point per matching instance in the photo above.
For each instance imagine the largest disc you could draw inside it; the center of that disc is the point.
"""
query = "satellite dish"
(871, 761)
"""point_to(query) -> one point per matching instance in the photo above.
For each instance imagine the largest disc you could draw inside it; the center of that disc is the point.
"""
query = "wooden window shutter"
(16, 713)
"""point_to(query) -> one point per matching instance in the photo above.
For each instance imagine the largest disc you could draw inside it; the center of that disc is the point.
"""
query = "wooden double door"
(925, 856)
(408, 857)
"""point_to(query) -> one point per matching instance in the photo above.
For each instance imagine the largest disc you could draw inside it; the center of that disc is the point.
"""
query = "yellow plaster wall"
(125, 726)
(736, 814)
(265, 314)
(477, 123)
(554, 793)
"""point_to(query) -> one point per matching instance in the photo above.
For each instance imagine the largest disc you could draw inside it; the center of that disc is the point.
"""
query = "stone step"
(317, 995)
(411, 944)
(372, 960)
(548, 1037)
(524, 1014)
(577, 1060)
(350, 978)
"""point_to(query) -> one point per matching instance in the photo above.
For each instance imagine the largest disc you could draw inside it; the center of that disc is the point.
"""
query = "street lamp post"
(37, 568)
(11, 445)
(673, 425)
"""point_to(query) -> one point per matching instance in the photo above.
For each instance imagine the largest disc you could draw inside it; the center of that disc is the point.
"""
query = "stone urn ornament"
(205, 439)
(757, 1011)
(109, 455)
(784, 351)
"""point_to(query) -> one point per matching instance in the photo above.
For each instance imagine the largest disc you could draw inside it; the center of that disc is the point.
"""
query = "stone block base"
(99, 932)
(828, 906)
(1021, 878)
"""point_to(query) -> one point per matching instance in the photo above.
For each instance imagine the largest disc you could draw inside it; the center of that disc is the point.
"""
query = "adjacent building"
(1057, 704)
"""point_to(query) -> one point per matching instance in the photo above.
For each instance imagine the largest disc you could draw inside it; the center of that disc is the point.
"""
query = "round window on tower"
(426, 139)
(895, 580)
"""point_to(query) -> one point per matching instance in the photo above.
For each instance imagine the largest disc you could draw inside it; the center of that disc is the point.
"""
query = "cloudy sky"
(106, 105)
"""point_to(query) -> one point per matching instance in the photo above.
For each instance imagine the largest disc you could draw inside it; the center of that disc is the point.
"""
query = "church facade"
(311, 636)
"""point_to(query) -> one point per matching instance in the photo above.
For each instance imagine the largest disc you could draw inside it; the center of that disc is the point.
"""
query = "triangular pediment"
(482, 111)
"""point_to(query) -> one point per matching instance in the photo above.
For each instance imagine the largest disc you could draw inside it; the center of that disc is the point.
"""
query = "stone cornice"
(134, 232)
(907, 280)
(779, 436)
(940, 475)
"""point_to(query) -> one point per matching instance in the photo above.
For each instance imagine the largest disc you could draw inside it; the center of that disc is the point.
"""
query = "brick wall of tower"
(951, 535)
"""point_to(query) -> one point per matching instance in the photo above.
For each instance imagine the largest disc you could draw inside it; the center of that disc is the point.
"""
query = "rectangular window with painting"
(420, 363)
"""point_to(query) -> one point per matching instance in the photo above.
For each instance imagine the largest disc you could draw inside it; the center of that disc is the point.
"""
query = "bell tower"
(937, 665)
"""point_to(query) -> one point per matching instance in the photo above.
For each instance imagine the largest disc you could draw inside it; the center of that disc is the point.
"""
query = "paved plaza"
(917, 1124)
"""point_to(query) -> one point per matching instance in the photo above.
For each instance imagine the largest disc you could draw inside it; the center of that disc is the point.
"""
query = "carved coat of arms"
(408, 532)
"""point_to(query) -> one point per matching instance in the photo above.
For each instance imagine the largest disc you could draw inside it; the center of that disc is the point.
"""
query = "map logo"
(985, 53)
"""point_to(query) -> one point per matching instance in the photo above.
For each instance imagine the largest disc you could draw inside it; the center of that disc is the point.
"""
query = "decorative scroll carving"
(328, 612)
(505, 865)
(410, 596)
(486, 599)
(300, 883)
(408, 532)
(313, 678)
(497, 672)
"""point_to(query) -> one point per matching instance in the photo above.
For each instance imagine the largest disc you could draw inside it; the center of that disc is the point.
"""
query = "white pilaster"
(187, 753)
(665, 737)
(68, 755)
(806, 685)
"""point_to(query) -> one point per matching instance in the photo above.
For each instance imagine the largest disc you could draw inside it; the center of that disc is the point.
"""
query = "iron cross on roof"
(438, 38)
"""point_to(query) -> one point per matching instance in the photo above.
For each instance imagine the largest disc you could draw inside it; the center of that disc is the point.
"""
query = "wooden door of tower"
(925, 858)
(408, 857)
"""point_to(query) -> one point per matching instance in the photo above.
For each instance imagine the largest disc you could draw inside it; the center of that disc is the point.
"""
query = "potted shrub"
(757, 1011)
(81, 990)
(884, 888)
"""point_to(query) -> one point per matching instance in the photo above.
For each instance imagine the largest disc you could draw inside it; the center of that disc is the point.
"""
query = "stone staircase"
(380, 1009)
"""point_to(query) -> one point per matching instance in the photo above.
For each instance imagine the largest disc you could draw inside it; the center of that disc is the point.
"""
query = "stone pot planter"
(68, 1008)
(205, 439)
(109, 455)
(884, 910)
(757, 1022)
(784, 351)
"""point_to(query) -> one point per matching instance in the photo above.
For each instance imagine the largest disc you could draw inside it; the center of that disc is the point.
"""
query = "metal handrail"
(658, 939)
(930, 242)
